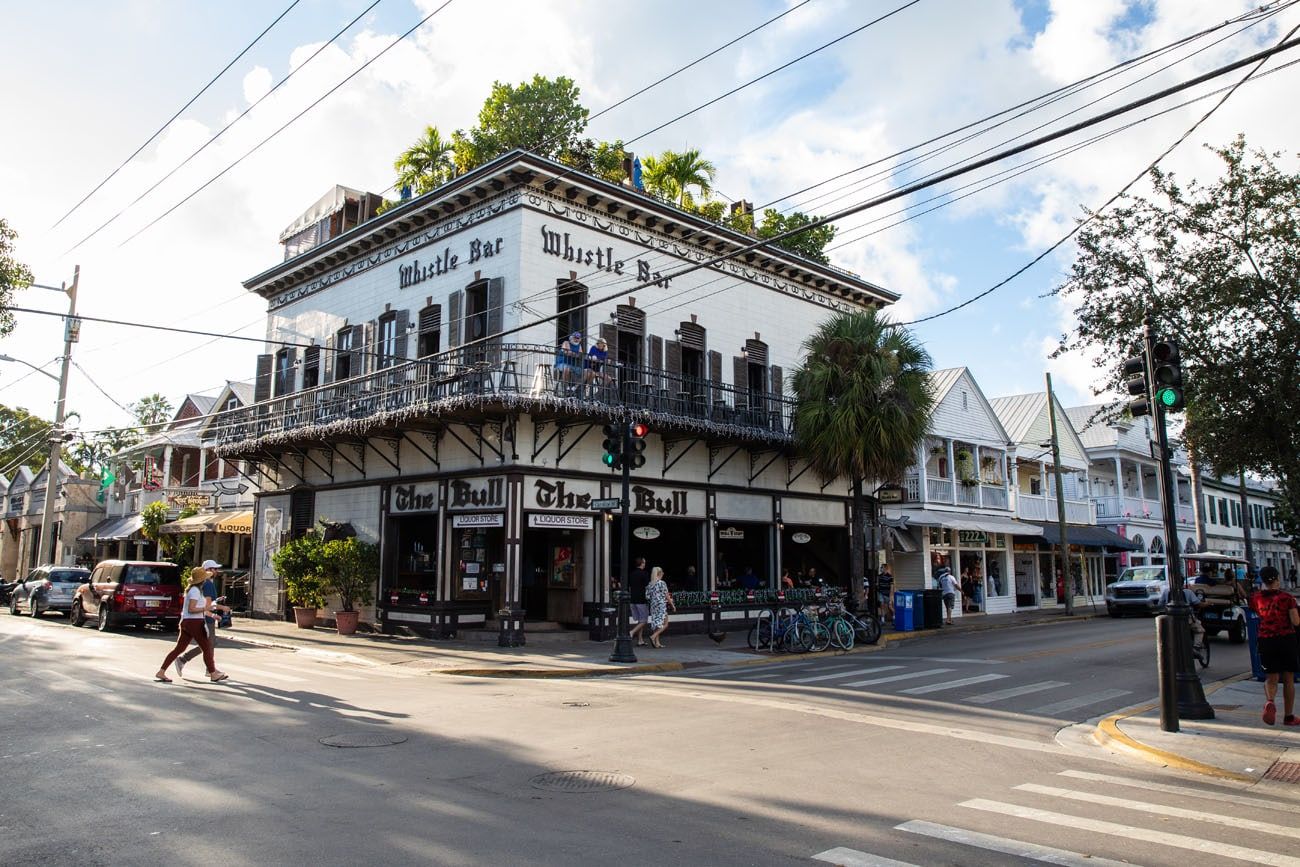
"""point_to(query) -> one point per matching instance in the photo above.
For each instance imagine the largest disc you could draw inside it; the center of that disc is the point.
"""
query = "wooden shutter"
(403, 332)
(692, 335)
(311, 367)
(370, 347)
(673, 368)
(656, 359)
(740, 380)
(302, 512)
(609, 333)
(356, 356)
(456, 305)
(776, 386)
(495, 316)
(715, 372)
(262, 381)
(327, 371)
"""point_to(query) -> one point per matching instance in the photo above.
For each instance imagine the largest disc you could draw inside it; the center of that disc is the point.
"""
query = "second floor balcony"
(467, 384)
(1135, 507)
(955, 492)
(1033, 507)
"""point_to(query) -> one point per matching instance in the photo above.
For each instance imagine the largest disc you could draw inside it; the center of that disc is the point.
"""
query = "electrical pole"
(49, 539)
(1060, 501)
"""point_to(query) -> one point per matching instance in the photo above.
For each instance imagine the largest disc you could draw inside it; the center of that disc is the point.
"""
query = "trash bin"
(1252, 641)
(933, 606)
(903, 611)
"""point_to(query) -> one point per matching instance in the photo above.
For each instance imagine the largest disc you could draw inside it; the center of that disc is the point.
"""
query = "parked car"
(1138, 590)
(130, 592)
(6, 587)
(1223, 598)
(47, 588)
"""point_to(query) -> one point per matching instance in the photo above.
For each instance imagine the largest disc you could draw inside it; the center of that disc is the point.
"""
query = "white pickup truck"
(1138, 590)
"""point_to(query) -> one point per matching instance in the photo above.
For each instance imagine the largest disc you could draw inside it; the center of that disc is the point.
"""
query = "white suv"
(1139, 589)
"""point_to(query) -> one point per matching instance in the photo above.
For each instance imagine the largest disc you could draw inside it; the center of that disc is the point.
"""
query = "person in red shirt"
(1279, 646)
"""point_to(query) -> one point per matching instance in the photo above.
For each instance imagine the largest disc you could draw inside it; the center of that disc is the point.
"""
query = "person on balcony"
(597, 374)
(568, 364)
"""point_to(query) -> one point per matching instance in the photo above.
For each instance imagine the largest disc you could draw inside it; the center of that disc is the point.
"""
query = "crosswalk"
(976, 682)
(1113, 819)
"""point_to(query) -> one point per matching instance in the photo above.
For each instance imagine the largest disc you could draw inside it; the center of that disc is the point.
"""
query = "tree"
(299, 564)
(426, 164)
(862, 407)
(94, 451)
(24, 440)
(351, 568)
(1217, 266)
(543, 116)
(152, 411)
(672, 174)
(810, 244)
(14, 276)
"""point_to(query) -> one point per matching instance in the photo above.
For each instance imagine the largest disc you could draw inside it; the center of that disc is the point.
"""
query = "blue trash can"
(1252, 641)
(904, 611)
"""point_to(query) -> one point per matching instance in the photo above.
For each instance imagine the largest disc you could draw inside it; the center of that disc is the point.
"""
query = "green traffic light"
(609, 459)
(1167, 397)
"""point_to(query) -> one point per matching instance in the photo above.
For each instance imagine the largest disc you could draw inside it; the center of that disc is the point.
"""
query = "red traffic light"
(639, 429)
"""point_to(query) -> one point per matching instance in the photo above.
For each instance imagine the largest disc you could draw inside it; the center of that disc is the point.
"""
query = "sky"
(89, 82)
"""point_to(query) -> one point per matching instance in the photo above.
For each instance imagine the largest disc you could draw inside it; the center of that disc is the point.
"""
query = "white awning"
(965, 521)
(113, 529)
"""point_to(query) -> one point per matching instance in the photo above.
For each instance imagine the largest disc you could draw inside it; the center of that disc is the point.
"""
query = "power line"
(160, 129)
(287, 124)
(223, 130)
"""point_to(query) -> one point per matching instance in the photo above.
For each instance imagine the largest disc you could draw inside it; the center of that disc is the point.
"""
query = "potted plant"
(351, 569)
(298, 563)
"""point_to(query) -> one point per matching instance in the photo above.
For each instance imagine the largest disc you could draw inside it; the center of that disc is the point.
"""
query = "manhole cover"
(363, 739)
(1284, 772)
(578, 782)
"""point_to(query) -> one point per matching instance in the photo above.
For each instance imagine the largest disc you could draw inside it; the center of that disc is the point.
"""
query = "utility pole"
(623, 651)
(1060, 501)
(49, 539)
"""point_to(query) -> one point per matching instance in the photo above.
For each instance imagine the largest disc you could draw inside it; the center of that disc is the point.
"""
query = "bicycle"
(839, 624)
(1200, 649)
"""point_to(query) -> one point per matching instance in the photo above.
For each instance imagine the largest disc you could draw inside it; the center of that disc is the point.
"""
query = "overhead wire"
(222, 131)
(168, 123)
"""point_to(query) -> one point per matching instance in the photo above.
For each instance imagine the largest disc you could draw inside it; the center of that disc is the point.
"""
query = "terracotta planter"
(346, 621)
(304, 617)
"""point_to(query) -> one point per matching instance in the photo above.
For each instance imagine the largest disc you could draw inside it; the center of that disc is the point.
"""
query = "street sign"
(890, 494)
(609, 503)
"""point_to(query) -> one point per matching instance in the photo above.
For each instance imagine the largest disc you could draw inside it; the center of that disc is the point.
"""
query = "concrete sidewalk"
(1235, 745)
(560, 655)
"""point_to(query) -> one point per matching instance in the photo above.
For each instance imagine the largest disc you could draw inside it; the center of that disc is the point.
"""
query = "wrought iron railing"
(525, 375)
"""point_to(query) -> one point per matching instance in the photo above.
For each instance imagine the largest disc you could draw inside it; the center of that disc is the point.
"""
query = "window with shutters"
(386, 341)
(475, 325)
(571, 314)
(283, 381)
(755, 371)
(311, 368)
(302, 512)
(430, 337)
(692, 337)
(343, 354)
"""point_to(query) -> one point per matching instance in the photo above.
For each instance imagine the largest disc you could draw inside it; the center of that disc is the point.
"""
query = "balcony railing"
(1036, 508)
(941, 491)
(525, 375)
(1132, 507)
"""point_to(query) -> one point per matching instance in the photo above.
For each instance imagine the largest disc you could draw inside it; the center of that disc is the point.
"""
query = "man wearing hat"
(569, 362)
(951, 589)
(209, 591)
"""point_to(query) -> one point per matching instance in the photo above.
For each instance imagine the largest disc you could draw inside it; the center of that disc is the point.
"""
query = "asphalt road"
(101, 765)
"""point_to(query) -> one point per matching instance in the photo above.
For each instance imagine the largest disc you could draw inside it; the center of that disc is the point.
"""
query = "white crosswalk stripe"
(893, 678)
(853, 858)
(1129, 832)
(952, 684)
(1080, 701)
(851, 673)
(1006, 846)
(1015, 692)
(1183, 791)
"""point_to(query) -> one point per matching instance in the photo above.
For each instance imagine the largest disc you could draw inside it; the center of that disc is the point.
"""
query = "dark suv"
(133, 592)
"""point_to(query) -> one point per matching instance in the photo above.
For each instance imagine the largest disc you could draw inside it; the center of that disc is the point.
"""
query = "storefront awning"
(211, 522)
(240, 523)
(113, 529)
(966, 521)
(1087, 535)
(902, 541)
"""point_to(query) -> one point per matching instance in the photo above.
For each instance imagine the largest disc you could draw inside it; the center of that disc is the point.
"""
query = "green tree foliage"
(351, 568)
(810, 244)
(152, 517)
(1217, 266)
(862, 406)
(425, 164)
(543, 116)
(92, 452)
(152, 411)
(672, 175)
(14, 276)
(300, 564)
(24, 439)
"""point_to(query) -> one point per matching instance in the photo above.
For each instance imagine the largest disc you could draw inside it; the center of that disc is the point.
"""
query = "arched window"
(570, 298)
(1157, 545)
(1189, 546)
(1139, 541)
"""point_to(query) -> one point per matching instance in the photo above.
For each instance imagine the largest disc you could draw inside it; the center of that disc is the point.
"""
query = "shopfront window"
(417, 545)
(477, 558)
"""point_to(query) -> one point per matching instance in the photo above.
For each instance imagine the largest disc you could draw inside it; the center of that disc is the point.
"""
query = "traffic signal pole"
(623, 639)
(1191, 703)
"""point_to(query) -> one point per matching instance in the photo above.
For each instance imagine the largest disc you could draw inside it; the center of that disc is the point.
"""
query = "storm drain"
(1284, 772)
(577, 704)
(581, 782)
(363, 739)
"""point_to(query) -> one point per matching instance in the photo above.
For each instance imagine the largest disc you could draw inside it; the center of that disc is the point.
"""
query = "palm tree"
(425, 164)
(671, 175)
(862, 407)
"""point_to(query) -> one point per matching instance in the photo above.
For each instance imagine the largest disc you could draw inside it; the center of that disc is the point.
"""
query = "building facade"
(414, 388)
(76, 508)
(1223, 522)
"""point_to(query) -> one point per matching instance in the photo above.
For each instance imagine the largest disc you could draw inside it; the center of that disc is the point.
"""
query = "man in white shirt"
(951, 589)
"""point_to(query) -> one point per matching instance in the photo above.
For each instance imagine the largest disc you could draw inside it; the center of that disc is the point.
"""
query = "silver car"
(48, 588)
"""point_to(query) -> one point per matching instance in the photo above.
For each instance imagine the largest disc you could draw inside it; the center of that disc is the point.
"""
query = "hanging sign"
(568, 522)
(408, 499)
(477, 493)
(801, 538)
(646, 533)
(971, 537)
(731, 533)
(890, 494)
(478, 520)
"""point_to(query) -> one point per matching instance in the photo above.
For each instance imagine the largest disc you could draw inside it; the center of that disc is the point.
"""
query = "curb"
(1108, 734)
(554, 673)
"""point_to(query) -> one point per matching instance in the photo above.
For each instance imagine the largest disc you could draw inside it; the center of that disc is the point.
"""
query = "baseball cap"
(211, 564)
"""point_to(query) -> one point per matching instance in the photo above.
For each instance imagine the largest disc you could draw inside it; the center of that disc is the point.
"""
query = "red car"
(132, 592)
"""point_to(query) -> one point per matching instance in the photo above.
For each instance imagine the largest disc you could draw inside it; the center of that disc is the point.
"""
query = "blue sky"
(122, 68)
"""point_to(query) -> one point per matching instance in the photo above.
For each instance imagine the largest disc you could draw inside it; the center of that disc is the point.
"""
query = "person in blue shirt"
(598, 366)
(748, 580)
(569, 363)
(209, 591)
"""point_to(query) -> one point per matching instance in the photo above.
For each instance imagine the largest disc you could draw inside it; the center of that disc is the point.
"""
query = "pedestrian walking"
(1279, 647)
(209, 590)
(951, 589)
(885, 593)
(193, 611)
(637, 583)
(661, 602)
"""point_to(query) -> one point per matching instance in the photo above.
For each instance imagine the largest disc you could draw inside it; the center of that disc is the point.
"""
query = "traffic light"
(1167, 376)
(613, 446)
(636, 446)
(1135, 369)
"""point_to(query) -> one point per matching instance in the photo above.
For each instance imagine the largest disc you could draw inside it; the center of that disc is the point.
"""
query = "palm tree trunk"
(857, 539)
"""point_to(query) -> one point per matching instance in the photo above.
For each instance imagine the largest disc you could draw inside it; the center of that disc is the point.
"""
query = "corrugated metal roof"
(942, 381)
(1096, 435)
(1018, 412)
